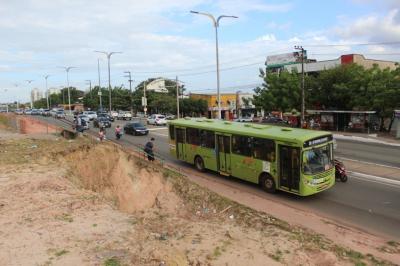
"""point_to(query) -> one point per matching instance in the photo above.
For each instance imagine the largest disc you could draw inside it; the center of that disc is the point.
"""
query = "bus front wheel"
(267, 183)
(199, 163)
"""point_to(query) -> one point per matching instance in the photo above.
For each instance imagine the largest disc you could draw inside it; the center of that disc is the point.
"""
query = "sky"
(161, 38)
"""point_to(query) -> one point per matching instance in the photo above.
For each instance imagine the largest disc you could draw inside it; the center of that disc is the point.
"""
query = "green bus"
(295, 160)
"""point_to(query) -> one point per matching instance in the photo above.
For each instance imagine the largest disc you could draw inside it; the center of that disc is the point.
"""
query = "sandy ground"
(81, 203)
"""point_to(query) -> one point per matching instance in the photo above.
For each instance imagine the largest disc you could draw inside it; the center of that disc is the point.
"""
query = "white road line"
(159, 128)
(376, 179)
(158, 134)
(377, 164)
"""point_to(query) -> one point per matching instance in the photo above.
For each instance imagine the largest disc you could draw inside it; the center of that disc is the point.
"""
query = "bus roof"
(287, 134)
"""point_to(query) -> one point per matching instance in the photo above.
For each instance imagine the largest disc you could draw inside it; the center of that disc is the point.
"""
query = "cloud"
(372, 28)
(268, 38)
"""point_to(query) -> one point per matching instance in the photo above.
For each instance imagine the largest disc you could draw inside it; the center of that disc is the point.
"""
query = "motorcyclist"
(118, 132)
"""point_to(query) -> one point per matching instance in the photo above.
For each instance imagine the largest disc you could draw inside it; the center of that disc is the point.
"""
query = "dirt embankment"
(82, 203)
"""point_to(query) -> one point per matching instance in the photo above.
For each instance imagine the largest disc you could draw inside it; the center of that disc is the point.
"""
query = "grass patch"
(393, 243)
(66, 218)
(277, 256)
(112, 262)
(61, 252)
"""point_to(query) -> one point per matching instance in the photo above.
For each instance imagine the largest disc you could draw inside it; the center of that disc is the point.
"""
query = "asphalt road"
(370, 206)
(369, 152)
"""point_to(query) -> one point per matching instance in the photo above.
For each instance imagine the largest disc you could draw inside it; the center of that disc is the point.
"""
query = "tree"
(278, 92)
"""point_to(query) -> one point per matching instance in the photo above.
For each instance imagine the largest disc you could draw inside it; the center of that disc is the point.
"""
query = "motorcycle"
(340, 171)
(118, 135)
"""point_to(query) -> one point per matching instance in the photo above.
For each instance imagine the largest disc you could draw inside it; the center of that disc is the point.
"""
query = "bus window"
(193, 136)
(180, 135)
(241, 145)
(264, 149)
(207, 139)
(172, 132)
(317, 160)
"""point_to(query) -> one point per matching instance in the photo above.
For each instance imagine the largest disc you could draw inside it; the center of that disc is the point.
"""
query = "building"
(54, 91)
(233, 105)
(36, 95)
(312, 66)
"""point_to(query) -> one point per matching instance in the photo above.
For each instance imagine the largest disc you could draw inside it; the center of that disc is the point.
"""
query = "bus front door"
(289, 177)
(224, 154)
(180, 144)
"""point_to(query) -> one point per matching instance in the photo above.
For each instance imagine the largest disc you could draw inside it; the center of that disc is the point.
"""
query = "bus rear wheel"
(199, 164)
(267, 183)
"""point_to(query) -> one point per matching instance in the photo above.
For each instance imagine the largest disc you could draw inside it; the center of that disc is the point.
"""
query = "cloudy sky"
(161, 38)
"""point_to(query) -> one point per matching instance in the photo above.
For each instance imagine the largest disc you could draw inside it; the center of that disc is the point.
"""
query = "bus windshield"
(317, 160)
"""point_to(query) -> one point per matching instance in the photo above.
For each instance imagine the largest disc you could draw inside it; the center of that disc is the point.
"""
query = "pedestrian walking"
(148, 149)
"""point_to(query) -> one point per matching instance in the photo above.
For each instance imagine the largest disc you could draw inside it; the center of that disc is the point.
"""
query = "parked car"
(274, 120)
(124, 115)
(60, 114)
(244, 119)
(28, 111)
(101, 122)
(135, 128)
(157, 120)
(170, 117)
(109, 117)
(19, 112)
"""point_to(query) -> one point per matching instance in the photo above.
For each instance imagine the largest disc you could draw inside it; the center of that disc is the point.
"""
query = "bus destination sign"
(317, 141)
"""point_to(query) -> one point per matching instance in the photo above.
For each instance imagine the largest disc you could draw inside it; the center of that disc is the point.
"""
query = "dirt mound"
(121, 178)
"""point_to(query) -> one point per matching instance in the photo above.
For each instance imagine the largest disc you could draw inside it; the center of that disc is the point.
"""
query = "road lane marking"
(158, 134)
(376, 179)
(377, 164)
(159, 128)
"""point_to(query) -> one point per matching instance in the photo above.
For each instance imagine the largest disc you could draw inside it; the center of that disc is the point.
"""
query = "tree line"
(124, 99)
(346, 87)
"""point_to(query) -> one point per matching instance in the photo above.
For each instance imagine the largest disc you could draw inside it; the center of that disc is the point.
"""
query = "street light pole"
(47, 91)
(29, 82)
(130, 87)
(109, 54)
(67, 69)
(216, 25)
(302, 84)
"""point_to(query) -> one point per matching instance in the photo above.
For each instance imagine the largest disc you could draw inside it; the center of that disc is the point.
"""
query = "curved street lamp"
(216, 25)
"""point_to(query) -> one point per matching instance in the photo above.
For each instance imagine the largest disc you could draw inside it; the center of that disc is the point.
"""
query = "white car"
(124, 115)
(158, 120)
(114, 114)
(91, 114)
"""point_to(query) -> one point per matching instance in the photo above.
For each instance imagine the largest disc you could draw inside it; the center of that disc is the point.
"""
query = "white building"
(36, 95)
(54, 91)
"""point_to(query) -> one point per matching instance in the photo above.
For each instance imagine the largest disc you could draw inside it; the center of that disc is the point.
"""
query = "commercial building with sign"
(292, 63)
(233, 105)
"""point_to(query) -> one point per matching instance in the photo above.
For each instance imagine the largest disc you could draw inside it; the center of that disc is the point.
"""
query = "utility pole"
(109, 54)
(216, 26)
(177, 97)
(302, 84)
(130, 87)
(47, 91)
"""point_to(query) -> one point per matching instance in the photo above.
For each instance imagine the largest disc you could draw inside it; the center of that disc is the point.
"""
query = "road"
(370, 206)
(369, 152)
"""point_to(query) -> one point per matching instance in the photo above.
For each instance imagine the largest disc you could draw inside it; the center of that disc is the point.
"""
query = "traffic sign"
(99, 93)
